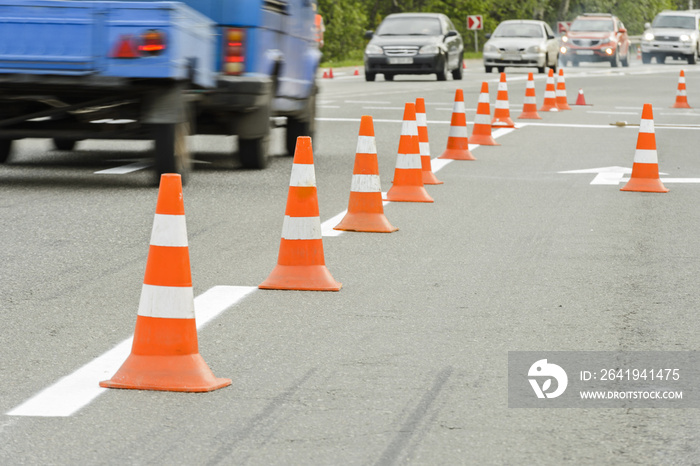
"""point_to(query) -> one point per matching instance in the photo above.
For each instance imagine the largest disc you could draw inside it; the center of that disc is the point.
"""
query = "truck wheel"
(253, 152)
(301, 127)
(5, 149)
(370, 76)
(693, 58)
(64, 144)
(646, 58)
(171, 152)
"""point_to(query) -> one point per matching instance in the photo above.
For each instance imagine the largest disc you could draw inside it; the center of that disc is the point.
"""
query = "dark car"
(596, 37)
(414, 43)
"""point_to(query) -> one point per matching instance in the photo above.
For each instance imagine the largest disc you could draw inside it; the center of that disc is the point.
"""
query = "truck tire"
(693, 58)
(64, 144)
(253, 153)
(5, 149)
(305, 126)
(171, 152)
(646, 58)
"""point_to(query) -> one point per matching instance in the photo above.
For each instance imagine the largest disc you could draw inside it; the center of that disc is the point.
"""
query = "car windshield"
(414, 26)
(518, 30)
(592, 25)
(680, 22)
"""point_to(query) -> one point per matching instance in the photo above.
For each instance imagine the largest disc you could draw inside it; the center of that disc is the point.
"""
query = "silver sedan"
(521, 43)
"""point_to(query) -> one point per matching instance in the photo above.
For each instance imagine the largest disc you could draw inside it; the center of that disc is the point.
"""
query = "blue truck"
(79, 69)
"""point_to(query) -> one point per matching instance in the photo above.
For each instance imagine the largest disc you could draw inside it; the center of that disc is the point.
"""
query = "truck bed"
(82, 38)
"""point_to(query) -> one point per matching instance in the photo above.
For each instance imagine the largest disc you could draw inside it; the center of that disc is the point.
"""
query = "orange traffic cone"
(645, 171)
(481, 132)
(325, 75)
(550, 95)
(681, 96)
(424, 144)
(562, 104)
(357, 72)
(408, 177)
(457, 141)
(580, 100)
(365, 208)
(301, 264)
(501, 113)
(330, 73)
(165, 353)
(530, 102)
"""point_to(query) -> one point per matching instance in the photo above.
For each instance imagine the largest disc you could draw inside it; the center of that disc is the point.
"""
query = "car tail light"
(234, 51)
(151, 42)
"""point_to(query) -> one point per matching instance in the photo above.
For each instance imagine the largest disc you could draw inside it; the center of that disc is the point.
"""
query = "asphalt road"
(408, 363)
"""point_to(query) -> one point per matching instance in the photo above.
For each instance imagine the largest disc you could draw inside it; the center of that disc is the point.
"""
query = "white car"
(672, 34)
(523, 44)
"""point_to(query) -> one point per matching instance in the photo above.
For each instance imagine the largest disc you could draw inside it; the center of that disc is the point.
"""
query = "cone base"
(502, 123)
(681, 105)
(365, 222)
(457, 154)
(430, 178)
(175, 373)
(300, 277)
(483, 140)
(408, 194)
(549, 108)
(563, 106)
(529, 116)
(645, 185)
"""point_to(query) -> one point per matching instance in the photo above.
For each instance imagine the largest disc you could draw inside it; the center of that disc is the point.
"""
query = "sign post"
(475, 23)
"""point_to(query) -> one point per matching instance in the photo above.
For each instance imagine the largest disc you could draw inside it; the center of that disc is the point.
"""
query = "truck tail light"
(234, 51)
(150, 43)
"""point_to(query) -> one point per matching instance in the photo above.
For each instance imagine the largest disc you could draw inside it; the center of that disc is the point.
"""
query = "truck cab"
(266, 62)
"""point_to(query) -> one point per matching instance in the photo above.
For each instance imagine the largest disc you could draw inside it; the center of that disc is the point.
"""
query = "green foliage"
(346, 20)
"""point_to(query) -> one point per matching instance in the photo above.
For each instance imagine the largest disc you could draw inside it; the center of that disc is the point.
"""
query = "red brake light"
(152, 42)
(234, 51)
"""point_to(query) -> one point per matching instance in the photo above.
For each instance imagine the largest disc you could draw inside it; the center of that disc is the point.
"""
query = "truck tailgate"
(75, 37)
(47, 37)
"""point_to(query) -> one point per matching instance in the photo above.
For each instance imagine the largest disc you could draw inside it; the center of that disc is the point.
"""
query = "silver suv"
(671, 34)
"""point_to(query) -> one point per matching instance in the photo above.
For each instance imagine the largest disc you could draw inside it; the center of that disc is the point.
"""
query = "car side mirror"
(488, 35)
(549, 36)
(369, 34)
(647, 25)
(623, 30)
(451, 34)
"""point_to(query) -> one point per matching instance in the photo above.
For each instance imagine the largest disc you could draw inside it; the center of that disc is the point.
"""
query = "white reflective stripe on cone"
(170, 302)
(301, 228)
(480, 119)
(169, 230)
(408, 161)
(646, 156)
(366, 145)
(365, 184)
(424, 148)
(458, 132)
(409, 128)
(646, 126)
(303, 175)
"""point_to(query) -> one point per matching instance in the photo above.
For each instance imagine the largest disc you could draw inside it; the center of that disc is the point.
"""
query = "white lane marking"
(77, 390)
(612, 113)
(376, 102)
(383, 108)
(123, 170)
(435, 164)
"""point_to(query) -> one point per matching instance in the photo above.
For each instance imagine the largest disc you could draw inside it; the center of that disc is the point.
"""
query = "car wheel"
(626, 60)
(488, 69)
(574, 62)
(458, 72)
(660, 58)
(501, 69)
(388, 77)
(554, 65)
(540, 69)
(442, 75)
(5, 149)
(615, 60)
(303, 126)
(693, 58)
(646, 58)
(370, 76)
